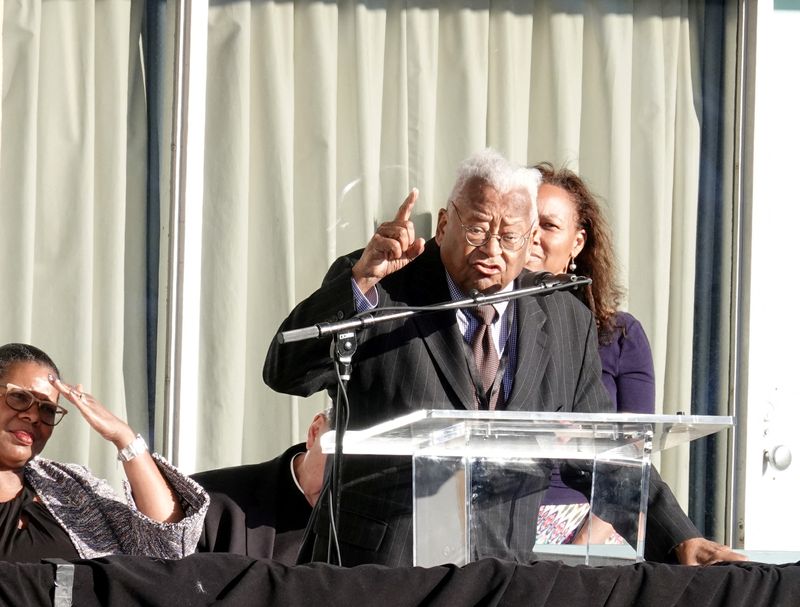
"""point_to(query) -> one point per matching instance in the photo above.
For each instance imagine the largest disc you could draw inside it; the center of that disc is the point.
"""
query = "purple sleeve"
(629, 378)
(628, 367)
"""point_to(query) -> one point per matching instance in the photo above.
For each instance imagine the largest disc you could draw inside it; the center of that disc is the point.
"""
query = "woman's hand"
(601, 531)
(105, 423)
(152, 493)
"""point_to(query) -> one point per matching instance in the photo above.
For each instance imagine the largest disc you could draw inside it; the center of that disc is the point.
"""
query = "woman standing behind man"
(574, 237)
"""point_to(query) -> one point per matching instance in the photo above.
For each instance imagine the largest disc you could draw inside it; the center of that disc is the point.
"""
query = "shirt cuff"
(364, 301)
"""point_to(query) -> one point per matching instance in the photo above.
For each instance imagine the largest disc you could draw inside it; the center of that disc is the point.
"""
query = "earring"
(572, 267)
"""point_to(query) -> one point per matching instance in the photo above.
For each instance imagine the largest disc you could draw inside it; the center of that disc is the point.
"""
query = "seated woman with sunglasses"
(54, 510)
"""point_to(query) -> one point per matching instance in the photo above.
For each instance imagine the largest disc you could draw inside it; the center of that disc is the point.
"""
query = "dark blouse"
(628, 373)
(628, 376)
(41, 537)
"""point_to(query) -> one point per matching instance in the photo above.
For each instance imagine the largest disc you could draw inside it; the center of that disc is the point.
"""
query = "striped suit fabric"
(420, 363)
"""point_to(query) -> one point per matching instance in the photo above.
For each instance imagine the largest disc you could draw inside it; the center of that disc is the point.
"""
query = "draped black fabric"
(227, 579)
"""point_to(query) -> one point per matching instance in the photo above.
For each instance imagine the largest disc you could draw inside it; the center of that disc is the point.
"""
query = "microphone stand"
(345, 343)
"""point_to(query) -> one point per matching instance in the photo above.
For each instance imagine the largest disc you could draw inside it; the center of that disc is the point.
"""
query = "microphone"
(531, 283)
(546, 279)
(541, 280)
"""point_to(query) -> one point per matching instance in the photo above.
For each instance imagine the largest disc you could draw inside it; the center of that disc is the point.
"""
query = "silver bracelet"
(137, 447)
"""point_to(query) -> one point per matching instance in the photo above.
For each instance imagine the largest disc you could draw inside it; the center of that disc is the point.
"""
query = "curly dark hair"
(596, 260)
(11, 354)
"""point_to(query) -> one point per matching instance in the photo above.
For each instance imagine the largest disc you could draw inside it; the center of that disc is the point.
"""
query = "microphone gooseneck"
(547, 279)
(533, 283)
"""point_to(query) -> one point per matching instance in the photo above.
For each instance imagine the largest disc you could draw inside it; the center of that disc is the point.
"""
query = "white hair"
(505, 176)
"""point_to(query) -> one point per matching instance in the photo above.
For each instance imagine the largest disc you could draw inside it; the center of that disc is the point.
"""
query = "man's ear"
(441, 222)
(318, 427)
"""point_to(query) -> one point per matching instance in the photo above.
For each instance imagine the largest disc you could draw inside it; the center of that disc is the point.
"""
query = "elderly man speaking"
(533, 353)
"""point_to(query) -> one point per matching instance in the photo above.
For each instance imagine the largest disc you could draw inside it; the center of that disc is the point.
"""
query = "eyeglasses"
(477, 236)
(20, 400)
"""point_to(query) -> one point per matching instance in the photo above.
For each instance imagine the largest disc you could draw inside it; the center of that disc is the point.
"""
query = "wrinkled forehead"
(482, 200)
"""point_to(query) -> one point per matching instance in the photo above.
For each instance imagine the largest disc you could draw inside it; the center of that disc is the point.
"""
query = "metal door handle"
(780, 457)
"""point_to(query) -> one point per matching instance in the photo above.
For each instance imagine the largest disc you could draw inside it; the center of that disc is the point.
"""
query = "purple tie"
(486, 359)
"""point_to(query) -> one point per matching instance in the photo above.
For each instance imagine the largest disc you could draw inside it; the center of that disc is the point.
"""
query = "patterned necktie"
(486, 359)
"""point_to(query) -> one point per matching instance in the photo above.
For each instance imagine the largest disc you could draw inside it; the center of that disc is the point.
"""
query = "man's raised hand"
(391, 247)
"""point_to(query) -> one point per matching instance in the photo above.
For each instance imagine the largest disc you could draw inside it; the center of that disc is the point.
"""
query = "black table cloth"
(204, 579)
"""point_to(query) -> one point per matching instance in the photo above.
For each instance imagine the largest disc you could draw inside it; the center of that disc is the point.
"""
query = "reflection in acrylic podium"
(479, 477)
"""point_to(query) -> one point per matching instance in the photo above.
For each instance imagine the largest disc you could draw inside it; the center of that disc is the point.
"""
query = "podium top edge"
(719, 420)
(446, 430)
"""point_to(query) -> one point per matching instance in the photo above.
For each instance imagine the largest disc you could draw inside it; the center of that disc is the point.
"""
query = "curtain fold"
(320, 117)
(72, 174)
(346, 105)
(711, 366)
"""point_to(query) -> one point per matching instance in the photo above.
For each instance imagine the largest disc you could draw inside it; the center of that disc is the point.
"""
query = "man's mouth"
(487, 269)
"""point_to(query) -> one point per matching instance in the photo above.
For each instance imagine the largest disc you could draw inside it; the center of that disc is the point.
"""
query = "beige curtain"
(322, 115)
(72, 202)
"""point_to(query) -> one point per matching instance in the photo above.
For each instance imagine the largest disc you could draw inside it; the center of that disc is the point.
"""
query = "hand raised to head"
(391, 248)
(105, 423)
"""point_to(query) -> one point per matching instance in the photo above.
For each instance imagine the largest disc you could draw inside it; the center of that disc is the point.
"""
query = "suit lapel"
(447, 351)
(533, 354)
(439, 331)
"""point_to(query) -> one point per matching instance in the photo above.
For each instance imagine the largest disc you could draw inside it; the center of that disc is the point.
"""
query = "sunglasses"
(21, 399)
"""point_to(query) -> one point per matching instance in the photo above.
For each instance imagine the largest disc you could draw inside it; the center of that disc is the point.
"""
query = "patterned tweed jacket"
(100, 523)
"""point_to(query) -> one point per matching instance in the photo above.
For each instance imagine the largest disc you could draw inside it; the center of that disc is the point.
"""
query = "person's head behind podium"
(484, 229)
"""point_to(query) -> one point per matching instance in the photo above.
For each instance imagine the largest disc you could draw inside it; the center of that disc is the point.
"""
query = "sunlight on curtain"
(72, 175)
(323, 114)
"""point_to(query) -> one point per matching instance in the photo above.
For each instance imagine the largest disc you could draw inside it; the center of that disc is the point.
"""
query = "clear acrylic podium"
(472, 468)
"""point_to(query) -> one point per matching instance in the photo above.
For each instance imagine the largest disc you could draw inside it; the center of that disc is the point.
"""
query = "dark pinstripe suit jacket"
(420, 363)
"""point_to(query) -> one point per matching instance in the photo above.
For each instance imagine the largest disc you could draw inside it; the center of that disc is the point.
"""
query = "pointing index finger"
(404, 212)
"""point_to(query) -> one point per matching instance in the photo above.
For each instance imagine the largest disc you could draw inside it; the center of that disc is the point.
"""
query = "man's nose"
(492, 246)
